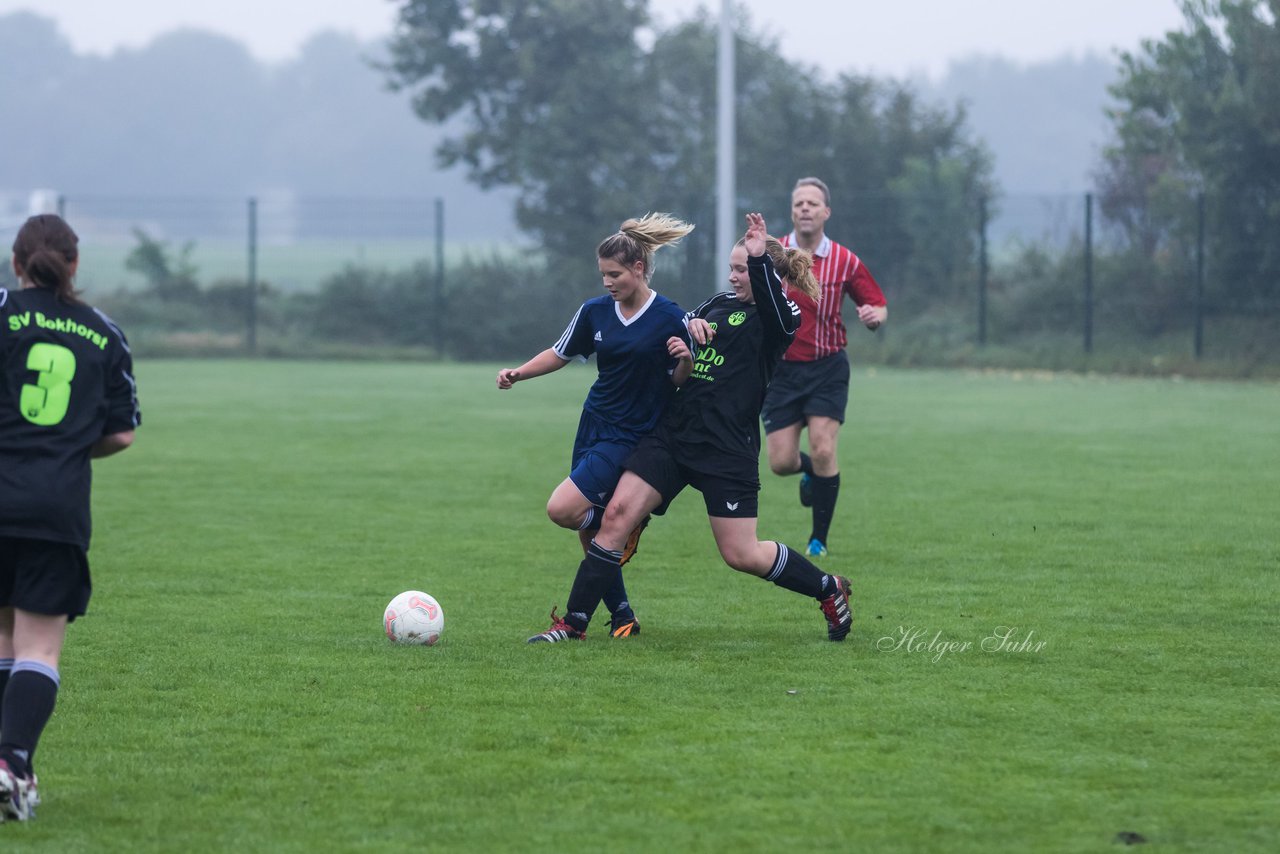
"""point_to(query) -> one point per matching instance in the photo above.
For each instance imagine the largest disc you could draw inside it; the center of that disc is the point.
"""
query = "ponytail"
(796, 266)
(638, 239)
(44, 253)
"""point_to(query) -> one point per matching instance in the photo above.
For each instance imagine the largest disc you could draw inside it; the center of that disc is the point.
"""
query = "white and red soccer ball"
(413, 617)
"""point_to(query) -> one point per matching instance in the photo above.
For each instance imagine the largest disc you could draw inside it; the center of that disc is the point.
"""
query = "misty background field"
(1035, 214)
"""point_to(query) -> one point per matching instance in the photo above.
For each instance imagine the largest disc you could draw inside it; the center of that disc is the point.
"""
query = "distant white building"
(42, 202)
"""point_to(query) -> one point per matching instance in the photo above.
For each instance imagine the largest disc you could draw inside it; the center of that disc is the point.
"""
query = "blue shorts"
(599, 450)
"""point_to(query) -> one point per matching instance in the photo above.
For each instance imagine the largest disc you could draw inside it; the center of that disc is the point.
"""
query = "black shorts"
(733, 492)
(44, 577)
(800, 390)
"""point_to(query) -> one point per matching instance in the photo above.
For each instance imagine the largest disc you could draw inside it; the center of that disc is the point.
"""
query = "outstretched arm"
(780, 315)
(544, 363)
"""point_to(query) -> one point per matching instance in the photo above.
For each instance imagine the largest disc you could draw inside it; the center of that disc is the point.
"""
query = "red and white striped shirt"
(840, 272)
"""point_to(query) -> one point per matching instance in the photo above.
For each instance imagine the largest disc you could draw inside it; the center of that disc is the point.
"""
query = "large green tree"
(594, 115)
(557, 99)
(1199, 111)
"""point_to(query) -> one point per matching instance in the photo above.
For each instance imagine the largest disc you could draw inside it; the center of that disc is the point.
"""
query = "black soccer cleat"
(836, 609)
(624, 627)
(806, 490)
(559, 631)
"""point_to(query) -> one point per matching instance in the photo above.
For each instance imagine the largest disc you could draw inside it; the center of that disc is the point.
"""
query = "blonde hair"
(794, 265)
(637, 239)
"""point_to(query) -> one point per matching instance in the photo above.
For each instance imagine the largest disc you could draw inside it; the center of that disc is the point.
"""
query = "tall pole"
(1088, 272)
(252, 283)
(982, 271)
(439, 295)
(726, 193)
(1199, 342)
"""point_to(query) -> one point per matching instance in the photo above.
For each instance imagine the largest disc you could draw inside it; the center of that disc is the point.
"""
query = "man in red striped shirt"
(811, 386)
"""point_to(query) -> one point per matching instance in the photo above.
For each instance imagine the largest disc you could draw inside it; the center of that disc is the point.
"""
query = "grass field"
(231, 690)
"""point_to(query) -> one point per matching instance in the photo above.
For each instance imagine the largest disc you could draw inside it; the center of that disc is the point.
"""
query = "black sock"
(595, 575)
(793, 572)
(615, 598)
(28, 704)
(6, 664)
(806, 464)
(825, 492)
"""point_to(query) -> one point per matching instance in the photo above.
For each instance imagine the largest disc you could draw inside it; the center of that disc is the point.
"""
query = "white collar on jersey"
(824, 247)
(627, 321)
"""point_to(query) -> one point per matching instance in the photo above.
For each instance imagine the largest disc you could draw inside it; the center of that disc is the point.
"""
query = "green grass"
(231, 688)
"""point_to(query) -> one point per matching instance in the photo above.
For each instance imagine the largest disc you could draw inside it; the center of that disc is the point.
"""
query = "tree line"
(588, 110)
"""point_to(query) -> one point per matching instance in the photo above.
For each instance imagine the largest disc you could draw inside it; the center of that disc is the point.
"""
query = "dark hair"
(44, 252)
(638, 239)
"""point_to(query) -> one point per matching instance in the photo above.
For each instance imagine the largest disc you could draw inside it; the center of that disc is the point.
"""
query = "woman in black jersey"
(66, 394)
(709, 438)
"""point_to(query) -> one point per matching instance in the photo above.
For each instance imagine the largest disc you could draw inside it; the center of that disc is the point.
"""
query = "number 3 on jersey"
(46, 402)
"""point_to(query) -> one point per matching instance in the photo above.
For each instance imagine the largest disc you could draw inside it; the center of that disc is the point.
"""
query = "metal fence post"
(252, 283)
(982, 270)
(439, 301)
(1088, 272)
(62, 206)
(1199, 344)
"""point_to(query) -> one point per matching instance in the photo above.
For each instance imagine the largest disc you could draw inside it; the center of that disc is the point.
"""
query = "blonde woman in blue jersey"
(709, 439)
(66, 395)
(643, 353)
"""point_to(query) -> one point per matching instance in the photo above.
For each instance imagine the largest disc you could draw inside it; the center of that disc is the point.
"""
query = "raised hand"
(753, 240)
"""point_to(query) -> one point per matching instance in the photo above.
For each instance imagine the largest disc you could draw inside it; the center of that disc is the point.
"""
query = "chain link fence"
(1015, 281)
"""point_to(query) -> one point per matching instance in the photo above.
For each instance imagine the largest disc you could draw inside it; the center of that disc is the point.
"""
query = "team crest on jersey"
(737, 318)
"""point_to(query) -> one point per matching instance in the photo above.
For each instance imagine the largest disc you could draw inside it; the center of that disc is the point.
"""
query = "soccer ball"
(413, 617)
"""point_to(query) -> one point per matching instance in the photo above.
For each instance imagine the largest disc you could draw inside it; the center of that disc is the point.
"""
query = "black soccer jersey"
(716, 412)
(66, 381)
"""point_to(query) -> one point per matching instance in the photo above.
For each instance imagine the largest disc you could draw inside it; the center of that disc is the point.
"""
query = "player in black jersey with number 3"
(66, 394)
(709, 439)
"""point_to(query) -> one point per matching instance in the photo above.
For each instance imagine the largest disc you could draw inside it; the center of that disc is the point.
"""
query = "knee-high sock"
(615, 596)
(28, 704)
(825, 492)
(792, 571)
(6, 664)
(595, 515)
(806, 464)
(597, 572)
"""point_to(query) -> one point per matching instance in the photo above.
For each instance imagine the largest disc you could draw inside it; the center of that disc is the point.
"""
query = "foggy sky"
(886, 37)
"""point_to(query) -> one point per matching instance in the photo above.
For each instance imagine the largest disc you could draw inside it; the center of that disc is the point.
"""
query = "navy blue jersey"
(716, 411)
(635, 368)
(66, 380)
